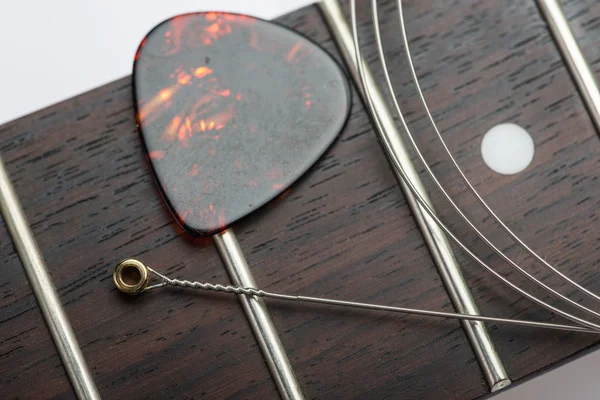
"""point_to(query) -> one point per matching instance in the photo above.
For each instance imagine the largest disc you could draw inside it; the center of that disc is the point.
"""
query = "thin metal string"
(410, 136)
(247, 291)
(397, 166)
(464, 178)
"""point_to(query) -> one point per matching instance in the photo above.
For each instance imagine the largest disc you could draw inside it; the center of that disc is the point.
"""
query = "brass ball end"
(131, 276)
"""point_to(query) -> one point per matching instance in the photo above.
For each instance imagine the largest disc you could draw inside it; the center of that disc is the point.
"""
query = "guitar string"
(248, 291)
(428, 209)
(464, 178)
(448, 198)
(397, 166)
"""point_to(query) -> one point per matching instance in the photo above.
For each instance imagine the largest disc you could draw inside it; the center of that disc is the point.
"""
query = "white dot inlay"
(507, 149)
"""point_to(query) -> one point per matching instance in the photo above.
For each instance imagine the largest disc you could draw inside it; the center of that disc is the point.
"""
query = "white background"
(53, 50)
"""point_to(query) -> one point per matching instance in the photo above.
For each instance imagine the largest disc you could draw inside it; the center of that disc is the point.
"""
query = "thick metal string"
(166, 281)
(397, 166)
(448, 198)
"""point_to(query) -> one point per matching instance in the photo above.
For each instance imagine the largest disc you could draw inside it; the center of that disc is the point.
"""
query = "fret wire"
(398, 155)
(576, 63)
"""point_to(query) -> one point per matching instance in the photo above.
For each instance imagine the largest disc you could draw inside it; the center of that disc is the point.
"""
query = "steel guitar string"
(133, 277)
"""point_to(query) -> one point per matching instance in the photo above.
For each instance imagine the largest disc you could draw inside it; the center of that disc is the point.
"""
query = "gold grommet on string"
(131, 276)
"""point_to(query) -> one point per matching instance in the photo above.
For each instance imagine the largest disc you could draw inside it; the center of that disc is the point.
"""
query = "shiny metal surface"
(44, 291)
(437, 242)
(258, 316)
(578, 66)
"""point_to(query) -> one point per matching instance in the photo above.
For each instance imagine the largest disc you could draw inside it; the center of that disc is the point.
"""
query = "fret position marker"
(507, 149)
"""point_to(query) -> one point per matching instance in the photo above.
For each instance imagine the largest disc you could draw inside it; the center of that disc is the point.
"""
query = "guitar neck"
(345, 230)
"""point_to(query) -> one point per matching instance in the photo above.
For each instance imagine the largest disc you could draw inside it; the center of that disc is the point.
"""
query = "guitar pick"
(232, 110)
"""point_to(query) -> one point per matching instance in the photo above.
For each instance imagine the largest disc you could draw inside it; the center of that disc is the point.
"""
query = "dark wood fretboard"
(343, 231)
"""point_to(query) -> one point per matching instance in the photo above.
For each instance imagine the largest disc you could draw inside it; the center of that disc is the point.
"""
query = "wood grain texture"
(343, 231)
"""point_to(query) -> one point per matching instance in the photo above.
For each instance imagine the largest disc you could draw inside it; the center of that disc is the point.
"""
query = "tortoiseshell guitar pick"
(232, 110)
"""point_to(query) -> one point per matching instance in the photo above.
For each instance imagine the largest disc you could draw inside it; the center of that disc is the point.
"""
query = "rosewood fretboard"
(343, 231)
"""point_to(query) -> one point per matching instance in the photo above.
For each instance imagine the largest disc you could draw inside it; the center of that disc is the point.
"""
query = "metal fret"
(258, 317)
(435, 238)
(576, 63)
(43, 288)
